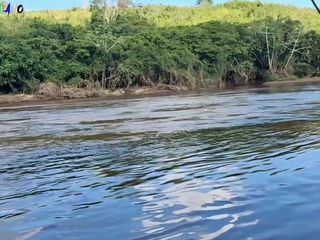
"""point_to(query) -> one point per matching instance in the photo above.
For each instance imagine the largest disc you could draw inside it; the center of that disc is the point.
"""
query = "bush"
(128, 48)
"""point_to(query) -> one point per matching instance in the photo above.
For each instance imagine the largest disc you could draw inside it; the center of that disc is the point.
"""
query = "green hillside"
(169, 16)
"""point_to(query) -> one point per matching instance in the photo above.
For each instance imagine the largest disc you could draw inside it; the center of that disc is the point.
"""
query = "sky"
(64, 4)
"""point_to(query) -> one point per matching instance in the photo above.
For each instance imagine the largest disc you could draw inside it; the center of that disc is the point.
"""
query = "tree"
(123, 3)
(277, 43)
(204, 2)
(98, 3)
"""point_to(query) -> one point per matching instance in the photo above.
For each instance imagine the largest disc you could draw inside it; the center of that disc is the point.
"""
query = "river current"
(241, 164)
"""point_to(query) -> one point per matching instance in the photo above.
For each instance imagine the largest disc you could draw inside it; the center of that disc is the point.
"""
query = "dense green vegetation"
(116, 48)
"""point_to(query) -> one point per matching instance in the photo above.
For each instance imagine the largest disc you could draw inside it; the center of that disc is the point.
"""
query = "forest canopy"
(123, 47)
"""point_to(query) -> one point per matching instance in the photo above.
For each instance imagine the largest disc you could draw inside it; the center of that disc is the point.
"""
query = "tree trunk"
(12, 88)
(103, 82)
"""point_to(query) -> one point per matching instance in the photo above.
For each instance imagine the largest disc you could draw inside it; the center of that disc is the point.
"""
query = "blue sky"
(62, 4)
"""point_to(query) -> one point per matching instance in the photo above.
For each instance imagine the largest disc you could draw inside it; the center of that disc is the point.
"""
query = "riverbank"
(49, 94)
(302, 81)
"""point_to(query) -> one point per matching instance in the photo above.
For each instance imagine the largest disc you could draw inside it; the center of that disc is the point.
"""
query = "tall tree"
(98, 3)
(123, 3)
(204, 2)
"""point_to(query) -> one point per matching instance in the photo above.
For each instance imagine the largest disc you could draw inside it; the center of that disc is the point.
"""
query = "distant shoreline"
(21, 100)
(16, 100)
(294, 82)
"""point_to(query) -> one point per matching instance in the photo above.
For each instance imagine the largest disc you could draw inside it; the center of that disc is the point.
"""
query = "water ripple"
(231, 165)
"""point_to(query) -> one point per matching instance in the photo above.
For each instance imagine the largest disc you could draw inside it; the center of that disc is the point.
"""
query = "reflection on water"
(233, 165)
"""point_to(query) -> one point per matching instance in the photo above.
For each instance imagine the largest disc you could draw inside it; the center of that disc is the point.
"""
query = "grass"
(169, 16)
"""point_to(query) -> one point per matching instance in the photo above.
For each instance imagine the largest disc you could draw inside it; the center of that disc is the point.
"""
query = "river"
(231, 165)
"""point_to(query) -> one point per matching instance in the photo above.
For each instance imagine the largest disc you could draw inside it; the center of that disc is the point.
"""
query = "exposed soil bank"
(10, 99)
(50, 94)
(293, 82)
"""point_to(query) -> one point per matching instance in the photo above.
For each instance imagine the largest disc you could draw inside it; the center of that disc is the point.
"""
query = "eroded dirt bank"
(50, 94)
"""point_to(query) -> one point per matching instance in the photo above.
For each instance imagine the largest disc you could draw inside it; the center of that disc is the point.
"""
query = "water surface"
(231, 165)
